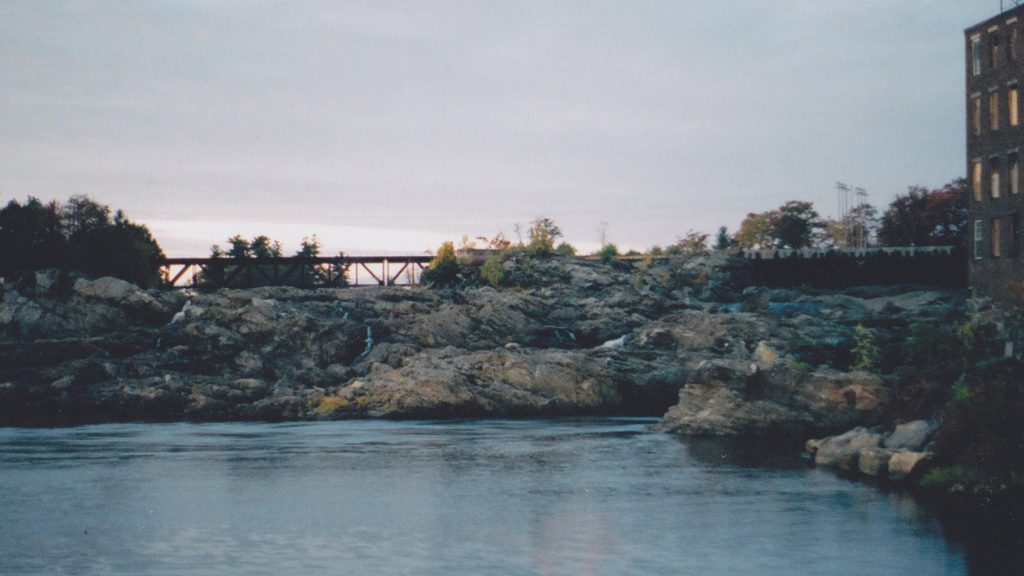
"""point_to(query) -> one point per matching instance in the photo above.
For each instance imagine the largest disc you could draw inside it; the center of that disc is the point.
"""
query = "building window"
(993, 51)
(1014, 235)
(996, 238)
(976, 115)
(976, 180)
(993, 178)
(978, 240)
(1014, 174)
(1011, 47)
(976, 55)
(1013, 112)
(993, 110)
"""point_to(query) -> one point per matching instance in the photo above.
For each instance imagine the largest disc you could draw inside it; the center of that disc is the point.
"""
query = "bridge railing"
(302, 272)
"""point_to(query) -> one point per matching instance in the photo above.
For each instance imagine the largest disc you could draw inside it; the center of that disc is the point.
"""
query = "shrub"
(608, 252)
(543, 233)
(565, 249)
(493, 270)
(943, 477)
(444, 268)
(865, 350)
(330, 404)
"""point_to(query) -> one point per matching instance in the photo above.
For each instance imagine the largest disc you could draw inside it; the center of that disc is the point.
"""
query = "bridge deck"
(304, 272)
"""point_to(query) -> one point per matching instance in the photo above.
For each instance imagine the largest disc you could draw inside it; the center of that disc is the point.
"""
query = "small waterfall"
(619, 342)
(180, 315)
(369, 342)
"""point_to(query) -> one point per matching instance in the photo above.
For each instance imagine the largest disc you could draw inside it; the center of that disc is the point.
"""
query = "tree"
(722, 240)
(755, 231)
(79, 235)
(81, 214)
(542, 233)
(31, 236)
(444, 267)
(796, 224)
(263, 247)
(310, 247)
(239, 247)
(923, 217)
(694, 243)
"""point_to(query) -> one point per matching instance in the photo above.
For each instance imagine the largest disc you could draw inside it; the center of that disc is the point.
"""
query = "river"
(561, 496)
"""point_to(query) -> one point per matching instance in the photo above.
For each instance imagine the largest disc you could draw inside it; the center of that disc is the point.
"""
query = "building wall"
(994, 68)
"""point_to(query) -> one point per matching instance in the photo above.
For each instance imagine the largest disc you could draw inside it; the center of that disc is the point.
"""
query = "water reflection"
(583, 496)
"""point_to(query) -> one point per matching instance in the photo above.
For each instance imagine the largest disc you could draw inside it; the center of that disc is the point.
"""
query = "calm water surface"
(592, 496)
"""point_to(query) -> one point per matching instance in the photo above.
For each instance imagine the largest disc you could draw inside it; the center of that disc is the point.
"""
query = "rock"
(874, 461)
(911, 436)
(124, 294)
(843, 451)
(724, 397)
(46, 281)
(765, 356)
(904, 465)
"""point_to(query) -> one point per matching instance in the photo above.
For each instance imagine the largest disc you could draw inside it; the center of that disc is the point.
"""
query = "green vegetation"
(565, 249)
(608, 252)
(944, 477)
(329, 404)
(493, 270)
(795, 224)
(543, 233)
(923, 217)
(722, 239)
(694, 243)
(444, 268)
(80, 235)
(866, 353)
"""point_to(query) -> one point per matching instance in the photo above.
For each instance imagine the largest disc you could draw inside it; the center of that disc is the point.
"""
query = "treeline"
(81, 235)
(921, 217)
(233, 266)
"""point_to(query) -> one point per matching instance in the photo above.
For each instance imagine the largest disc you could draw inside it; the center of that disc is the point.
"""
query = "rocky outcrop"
(680, 339)
(895, 455)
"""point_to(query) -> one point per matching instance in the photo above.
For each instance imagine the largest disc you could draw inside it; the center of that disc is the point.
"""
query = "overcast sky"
(395, 125)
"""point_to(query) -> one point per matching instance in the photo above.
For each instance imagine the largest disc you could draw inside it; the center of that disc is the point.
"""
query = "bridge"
(298, 271)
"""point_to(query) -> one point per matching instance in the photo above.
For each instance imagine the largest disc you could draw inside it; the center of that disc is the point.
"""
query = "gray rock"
(911, 436)
(874, 461)
(46, 281)
(903, 465)
(843, 451)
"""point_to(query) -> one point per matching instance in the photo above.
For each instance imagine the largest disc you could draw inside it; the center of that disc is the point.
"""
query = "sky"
(392, 126)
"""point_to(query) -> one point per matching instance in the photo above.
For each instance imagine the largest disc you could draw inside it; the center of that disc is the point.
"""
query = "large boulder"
(732, 396)
(121, 294)
(874, 461)
(506, 381)
(904, 465)
(843, 451)
(912, 436)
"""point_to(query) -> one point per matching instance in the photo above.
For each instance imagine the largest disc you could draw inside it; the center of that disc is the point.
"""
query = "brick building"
(995, 152)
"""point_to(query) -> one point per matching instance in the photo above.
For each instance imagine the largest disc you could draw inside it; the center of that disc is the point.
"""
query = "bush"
(330, 404)
(943, 477)
(866, 353)
(543, 233)
(565, 249)
(608, 252)
(493, 270)
(444, 268)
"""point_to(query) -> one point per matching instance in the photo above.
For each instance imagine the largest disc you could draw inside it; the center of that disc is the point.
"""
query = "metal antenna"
(862, 225)
(842, 201)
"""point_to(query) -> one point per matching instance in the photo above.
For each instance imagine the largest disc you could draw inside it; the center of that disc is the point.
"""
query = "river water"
(563, 496)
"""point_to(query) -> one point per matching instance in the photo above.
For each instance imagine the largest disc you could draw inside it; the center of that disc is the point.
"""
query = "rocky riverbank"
(680, 338)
